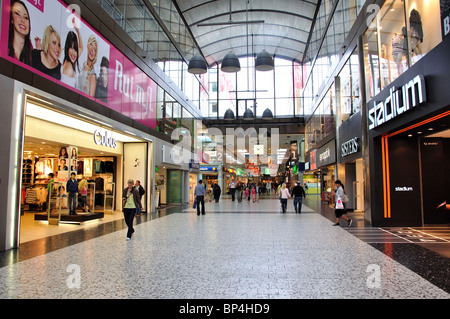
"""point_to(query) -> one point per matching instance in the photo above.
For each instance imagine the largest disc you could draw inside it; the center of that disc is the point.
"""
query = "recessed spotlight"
(430, 129)
(419, 132)
(410, 135)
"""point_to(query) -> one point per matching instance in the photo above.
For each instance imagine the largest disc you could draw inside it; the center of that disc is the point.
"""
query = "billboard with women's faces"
(51, 39)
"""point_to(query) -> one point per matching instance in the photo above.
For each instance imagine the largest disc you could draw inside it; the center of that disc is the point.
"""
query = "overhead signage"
(350, 147)
(194, 165)
(208, 169)
(400, 100)
(97, 70)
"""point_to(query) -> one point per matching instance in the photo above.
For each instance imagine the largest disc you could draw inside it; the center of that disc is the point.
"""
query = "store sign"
(400, 100)
(118, 83)
(208, 169)
(105, 139)
(326, 154)
(194, 165)
(350, 147)
(404, 189)
(445, 17)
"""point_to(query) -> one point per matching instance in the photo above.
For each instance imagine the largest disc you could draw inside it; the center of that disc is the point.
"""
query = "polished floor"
(236, 251)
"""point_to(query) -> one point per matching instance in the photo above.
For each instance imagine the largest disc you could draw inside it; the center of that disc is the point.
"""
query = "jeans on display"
(72, 203)
(128, 214)
(200, 200)
(298, 202)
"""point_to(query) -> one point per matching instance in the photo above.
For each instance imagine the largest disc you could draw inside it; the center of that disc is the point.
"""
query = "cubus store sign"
(60, 46)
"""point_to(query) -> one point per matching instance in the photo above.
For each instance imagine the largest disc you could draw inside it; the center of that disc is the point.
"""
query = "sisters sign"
(52, 40)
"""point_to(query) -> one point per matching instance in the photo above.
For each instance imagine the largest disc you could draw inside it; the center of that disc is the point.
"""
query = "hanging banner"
(51, 39)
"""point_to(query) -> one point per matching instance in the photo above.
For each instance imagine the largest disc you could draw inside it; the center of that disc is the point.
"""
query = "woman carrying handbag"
(130, 202)
(340, 200)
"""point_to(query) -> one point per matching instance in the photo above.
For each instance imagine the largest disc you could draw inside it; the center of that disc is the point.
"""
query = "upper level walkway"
(237, 250)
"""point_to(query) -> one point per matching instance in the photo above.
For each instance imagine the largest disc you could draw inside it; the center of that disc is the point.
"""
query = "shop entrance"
(418, 171)
(55, 146)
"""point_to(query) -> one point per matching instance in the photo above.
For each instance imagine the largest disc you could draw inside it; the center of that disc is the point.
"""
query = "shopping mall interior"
(225, 149)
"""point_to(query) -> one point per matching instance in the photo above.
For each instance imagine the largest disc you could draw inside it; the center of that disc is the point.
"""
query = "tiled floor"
(237, 250)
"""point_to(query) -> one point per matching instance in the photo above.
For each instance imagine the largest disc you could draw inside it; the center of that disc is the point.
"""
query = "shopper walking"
(130, 202)
(141, 191)
(239, 192)
(72, 189)
(340, 199)
(298, 193)
(216, 192)
(268, 187)
(199, 193)
(284, 196)
(232, 187)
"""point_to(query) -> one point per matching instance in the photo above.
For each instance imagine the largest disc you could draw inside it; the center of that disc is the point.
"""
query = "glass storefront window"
(371, 63)
(349, 90)
(424, 23)
(397, 39)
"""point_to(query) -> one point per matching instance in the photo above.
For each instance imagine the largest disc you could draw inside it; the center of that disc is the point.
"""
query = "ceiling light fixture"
(197, 65)
(230, 63)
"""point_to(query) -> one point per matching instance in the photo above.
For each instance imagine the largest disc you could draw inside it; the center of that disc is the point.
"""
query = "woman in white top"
(72, 51)
(284, 196)
(340, 212)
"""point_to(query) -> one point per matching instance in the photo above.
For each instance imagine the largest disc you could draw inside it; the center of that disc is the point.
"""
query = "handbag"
(195, 204)
(345, 198)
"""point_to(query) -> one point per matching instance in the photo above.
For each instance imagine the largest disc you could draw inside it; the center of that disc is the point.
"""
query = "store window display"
(424, 26)
(401, 33)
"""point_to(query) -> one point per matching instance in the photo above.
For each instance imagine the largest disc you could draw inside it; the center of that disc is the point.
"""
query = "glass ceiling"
(280, 27)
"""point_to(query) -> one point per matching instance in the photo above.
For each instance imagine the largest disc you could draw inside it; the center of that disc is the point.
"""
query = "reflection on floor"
(238, 250)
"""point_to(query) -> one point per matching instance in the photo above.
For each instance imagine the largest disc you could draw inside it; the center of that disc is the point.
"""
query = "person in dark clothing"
(216, 191)
(141, 193)
(298, 193)
(199, 193)
(72, 189)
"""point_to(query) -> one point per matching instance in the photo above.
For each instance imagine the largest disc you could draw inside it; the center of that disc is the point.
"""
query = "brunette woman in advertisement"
(87, 80)
(72, 50)
(19, 43)
(46, 55)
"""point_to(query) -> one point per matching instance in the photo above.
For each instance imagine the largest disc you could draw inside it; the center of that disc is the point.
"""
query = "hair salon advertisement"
(51, 39)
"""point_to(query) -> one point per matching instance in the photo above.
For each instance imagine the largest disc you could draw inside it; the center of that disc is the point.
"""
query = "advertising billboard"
(51, 39)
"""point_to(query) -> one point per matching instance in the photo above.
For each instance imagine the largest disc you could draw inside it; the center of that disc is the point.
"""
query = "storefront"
(350, 164)
(320, 169)
(409, 125)
(104, 130)
(62, 139)
(210, 176)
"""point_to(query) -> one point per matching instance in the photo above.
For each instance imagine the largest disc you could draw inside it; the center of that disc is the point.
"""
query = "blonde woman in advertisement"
(46, 55)
(87, 80)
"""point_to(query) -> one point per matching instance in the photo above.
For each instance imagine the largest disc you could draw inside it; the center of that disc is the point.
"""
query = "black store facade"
(409, 145)
(350, 162)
